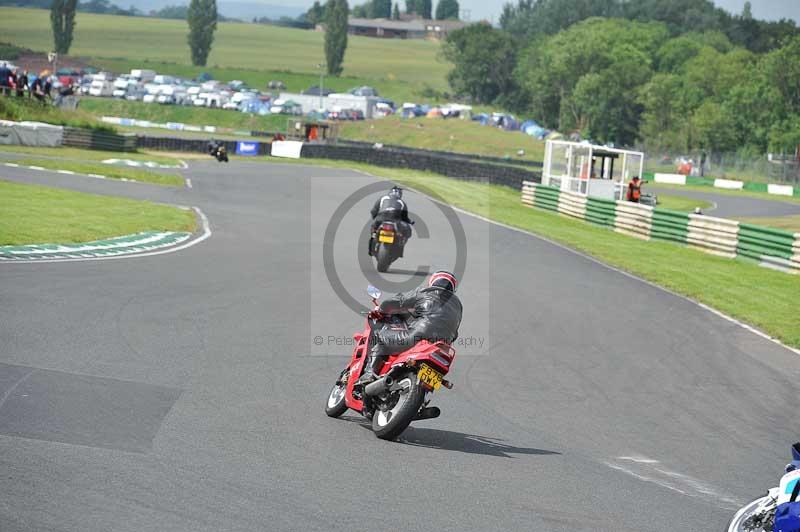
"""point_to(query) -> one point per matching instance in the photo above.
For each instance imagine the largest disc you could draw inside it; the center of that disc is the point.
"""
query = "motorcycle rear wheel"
(384, 258)
(391, 422)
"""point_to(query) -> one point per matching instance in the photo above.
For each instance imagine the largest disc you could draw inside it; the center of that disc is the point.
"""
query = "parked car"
(276, 85)
(364, 91)
(143, 76)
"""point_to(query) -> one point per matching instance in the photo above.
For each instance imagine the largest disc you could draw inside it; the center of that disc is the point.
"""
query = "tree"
(447, 9)
(336, 12)
(202, 18)
(483, 59)
(396, 12)
(316, 13)
(381, 8)
(62, 21)
(424, 8)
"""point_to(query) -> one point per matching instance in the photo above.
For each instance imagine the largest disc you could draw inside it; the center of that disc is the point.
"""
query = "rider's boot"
(371, 369)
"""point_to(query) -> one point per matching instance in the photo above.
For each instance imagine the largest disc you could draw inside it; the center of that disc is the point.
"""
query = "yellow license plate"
(388, 239)
(429, 376)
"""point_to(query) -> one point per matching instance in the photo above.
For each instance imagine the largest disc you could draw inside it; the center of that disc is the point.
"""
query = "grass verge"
(107, 170)
(464, 136)
(35, 214)
(89, 155)
(787, 223)
(764, 298)
(681, 203)
(19, 109)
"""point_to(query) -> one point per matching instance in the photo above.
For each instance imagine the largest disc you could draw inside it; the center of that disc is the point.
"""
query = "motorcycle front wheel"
(336, 405)
(399, 409)
(742, 521)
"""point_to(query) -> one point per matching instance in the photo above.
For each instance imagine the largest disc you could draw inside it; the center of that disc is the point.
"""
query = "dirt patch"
(37, 62)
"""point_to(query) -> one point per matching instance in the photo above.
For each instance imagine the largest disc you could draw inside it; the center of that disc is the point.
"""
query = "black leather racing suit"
(391, 209)
(430, 313)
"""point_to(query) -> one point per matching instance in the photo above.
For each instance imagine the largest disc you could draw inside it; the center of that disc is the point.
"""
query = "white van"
(143, 76)
(101, 88)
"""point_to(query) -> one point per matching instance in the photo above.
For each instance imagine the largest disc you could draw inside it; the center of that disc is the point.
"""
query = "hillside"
(407, 65)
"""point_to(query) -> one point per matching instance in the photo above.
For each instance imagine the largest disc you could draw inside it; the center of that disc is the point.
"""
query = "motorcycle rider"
(432, 313)
(391, 208)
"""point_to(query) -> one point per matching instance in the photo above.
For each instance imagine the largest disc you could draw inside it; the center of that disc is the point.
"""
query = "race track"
(185, 392)
(730, 206)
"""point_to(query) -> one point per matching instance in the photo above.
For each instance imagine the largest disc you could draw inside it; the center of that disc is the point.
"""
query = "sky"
(478, 9)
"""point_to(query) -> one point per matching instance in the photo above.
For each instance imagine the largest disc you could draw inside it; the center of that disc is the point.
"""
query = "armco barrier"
(633, 219)
(726, 238)
(713, 235)
(98, 140)
(772, 247)
(601, 211)
(670, 225)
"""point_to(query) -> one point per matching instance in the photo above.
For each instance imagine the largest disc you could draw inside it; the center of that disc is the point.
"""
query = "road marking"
(97, 176)
(206, 233)
(68, 172)
(188, 183)
(716, 312)
(35, 168)
(647, 470)
(12, 165)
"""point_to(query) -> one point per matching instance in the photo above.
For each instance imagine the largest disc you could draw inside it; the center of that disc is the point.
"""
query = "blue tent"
(483, 118)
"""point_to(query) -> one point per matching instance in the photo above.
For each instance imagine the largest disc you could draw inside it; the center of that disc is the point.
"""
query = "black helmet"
(396, 191)
(443, 279)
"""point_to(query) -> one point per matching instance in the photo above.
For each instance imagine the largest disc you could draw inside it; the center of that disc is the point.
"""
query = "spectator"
(635, 189)
(37, 89)
(278, 136)
(5, 74)
(22, 84)
(66, 90)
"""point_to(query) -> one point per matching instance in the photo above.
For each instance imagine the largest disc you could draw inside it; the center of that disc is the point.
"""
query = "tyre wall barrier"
(98, 140)
(464, 169)
(725, 238)
(469, 170)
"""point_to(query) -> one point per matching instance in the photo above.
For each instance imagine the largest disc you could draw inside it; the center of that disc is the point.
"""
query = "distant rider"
(430, 313)
(391, 208)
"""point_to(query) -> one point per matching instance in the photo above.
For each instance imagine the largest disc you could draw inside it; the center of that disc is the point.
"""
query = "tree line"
(673, 74)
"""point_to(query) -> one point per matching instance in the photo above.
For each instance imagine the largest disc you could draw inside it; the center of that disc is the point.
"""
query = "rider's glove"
(375, 315)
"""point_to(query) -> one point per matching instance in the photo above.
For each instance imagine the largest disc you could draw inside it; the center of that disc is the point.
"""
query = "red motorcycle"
(400, 394)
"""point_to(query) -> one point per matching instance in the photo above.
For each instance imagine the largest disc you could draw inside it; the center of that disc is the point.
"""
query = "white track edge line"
(714, 311)
(206, 233)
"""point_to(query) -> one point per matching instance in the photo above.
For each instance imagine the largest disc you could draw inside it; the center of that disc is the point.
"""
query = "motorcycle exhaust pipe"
(379, 387)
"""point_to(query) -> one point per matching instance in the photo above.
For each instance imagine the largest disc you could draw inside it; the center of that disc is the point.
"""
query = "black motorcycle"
(221, 154)
(387, 244)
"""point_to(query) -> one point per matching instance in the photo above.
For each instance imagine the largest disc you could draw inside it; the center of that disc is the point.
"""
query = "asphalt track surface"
(185, 391)
(729, 206)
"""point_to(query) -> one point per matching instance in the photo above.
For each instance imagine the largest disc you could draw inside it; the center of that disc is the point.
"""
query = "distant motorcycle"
(218, 151)
(388, 243)
(221, 154)
(779, 509)
(400, 395)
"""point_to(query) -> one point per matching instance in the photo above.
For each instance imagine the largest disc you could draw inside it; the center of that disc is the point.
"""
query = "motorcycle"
(401, 393)
(387, 244)
(221, 154)
(779, 509)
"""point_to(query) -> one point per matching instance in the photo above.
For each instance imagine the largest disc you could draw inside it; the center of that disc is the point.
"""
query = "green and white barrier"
(729, 184)
(773, 248)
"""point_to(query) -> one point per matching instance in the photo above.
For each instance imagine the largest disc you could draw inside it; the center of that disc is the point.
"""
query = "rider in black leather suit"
(391, 207)
(431, 313)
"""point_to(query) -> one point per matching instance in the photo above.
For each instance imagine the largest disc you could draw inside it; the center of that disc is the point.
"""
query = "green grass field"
(456, 135)
(405, 65)
(34, 214)
(681, 203)
(107, 170)
(725, 284)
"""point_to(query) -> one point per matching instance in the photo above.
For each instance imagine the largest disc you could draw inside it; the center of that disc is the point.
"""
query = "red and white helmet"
(443, 279)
